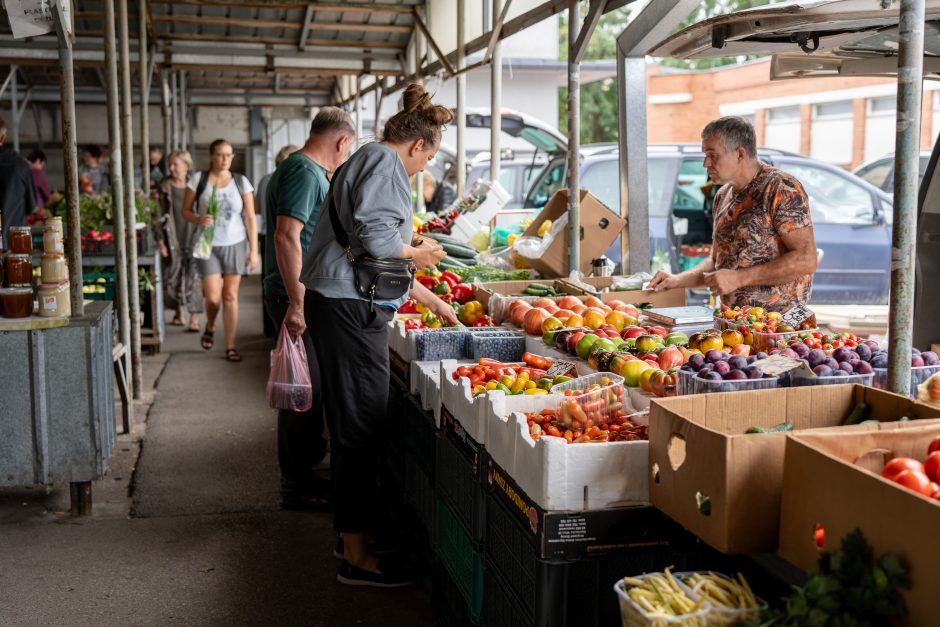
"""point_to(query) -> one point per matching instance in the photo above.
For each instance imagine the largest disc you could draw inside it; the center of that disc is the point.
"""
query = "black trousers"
(300, 441)
(351, 340)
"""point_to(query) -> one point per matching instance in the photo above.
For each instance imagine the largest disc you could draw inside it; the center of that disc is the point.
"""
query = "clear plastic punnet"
(634, 614)
(724, 616)
(705, 386)
(919, 374)
(596, 398)
(860, 379)
(684, 387)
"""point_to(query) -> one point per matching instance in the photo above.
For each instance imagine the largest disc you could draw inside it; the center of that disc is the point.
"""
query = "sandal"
(232, 355)
(207, 339)
(177, 321)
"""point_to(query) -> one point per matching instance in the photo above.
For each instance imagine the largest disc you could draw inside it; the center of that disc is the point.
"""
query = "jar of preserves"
(19, 270)
(52, 240)
(54, 300)
(54, 268)
(55, 223)
(21, 240)
(16, 302)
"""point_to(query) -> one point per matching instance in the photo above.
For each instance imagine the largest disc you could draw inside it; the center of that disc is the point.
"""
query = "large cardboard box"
(724, 485)
(600, 226)
(830, 479)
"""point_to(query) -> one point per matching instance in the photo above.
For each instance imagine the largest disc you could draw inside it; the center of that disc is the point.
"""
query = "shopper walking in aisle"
(368, 204)
(260, 214)
(17, 192)
(37, 167)
(183, 275)
(227, 215)
(292, 206)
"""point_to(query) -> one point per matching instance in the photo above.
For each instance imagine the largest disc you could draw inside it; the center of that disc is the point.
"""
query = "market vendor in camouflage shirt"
(764, 252)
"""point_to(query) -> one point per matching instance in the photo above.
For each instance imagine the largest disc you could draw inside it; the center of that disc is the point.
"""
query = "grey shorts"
(225, 260)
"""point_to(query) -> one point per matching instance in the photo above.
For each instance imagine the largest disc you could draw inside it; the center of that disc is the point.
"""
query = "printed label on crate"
(797, 315)
(494, 476)
(455, 432)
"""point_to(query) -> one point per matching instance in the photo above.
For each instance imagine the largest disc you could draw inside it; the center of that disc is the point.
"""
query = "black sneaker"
(390, 575)
(374, 547)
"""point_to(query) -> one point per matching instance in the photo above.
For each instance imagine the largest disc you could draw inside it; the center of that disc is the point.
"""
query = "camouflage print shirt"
(748, 230)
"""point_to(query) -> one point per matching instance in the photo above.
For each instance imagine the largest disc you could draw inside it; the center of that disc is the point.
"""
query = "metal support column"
(73, 235)
(174, 110)
(185, 139)
(461, 101)
(144, 81)
(14, 106)
(117, 200)
(127, 137)
(358, 106)
(496, 99)
(167, 116)
(574, 142)
(906, 156)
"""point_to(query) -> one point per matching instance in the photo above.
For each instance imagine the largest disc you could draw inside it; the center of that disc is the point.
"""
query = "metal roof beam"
(308, 16)
(427, 33)
(595, 12)
(205, 20)
(362, 7)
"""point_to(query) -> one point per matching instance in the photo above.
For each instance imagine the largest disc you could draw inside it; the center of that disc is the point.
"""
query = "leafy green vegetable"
(851, 589)
(484, 273)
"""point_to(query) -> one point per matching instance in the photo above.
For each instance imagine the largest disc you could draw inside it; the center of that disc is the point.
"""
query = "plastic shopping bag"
(289, 384)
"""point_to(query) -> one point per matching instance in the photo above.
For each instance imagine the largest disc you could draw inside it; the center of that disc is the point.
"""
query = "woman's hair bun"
(419, 118)
(415, 98)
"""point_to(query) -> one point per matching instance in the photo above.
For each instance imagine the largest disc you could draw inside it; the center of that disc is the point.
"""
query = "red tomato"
(934, 445)
(935, 495)
(899, 464)
(913, 480)
(932, 466)
(819, 535)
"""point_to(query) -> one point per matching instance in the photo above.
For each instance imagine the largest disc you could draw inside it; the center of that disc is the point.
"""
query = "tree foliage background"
(599, 99)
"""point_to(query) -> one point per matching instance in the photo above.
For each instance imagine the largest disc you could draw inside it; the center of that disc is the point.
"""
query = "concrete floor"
(189, 532)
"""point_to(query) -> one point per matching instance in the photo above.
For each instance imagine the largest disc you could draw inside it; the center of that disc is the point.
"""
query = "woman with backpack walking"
(228, 245)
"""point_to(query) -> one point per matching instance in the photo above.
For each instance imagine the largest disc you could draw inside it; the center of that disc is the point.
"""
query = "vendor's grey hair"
(734, 132)
(332, 120)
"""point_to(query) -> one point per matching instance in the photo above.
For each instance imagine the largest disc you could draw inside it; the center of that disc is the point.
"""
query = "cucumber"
(450, 262)
(858, 414)
(457, 250)
(783, 426)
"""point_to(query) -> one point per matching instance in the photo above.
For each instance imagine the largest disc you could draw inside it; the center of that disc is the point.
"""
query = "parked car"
(850, 216)
(854, 38)
(880, 172)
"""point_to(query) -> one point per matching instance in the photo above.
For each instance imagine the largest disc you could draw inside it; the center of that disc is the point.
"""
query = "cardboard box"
(826, 483)
(699, 450)
(600, 226)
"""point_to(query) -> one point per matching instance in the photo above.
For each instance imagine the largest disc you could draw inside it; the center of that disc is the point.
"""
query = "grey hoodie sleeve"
(378, 216)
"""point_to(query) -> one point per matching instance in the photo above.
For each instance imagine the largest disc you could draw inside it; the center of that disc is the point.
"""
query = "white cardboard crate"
(467, 224)
(570, 477)
(457, 397)
(536, 346)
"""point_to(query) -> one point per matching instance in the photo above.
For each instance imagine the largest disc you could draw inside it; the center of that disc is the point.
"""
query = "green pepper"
(545, 383)
(502, 388)
(441, 288)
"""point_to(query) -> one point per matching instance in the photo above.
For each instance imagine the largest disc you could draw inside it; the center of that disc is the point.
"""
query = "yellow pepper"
(490, 385)
(432, 272)
(507, 381)
(531, 385)
(432, 321)
(518, 385)
(534, 391)
(416, 222)
(420, 308)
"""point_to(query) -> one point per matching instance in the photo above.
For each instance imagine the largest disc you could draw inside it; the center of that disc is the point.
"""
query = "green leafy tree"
(599, 99)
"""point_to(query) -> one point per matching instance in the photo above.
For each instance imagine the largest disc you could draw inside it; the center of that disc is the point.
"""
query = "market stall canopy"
(809, 39)
(233, 51)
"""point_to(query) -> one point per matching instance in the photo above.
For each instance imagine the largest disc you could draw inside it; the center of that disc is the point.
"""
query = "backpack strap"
(342, 238)
(201, 185)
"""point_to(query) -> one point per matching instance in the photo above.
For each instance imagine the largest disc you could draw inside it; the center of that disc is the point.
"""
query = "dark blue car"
(851, 216)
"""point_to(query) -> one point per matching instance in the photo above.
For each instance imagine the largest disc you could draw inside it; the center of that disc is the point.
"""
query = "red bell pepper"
(447, 298)
(427, 281)
(450, 278)
(463, 293)
(484, 321)
(408, 307)
(413, 324)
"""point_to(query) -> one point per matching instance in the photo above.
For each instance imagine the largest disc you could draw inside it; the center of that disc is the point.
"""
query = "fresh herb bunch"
(484, 273)
(851, 589)
(204, 245)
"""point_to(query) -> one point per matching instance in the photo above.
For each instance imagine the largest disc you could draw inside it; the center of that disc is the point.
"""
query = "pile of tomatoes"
(525, 377)
(554, 423)
(921, 477)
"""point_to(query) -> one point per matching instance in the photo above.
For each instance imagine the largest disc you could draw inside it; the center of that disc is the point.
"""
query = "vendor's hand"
(722, 282)
(205, 220)
(295, 321)
(428, 254)
(253, 261)
(664, 281)
(445, 312)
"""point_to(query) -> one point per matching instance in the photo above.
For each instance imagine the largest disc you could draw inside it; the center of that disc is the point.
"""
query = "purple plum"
(832, 363)
(863, 367)
(840, 373)
(864, 352)
(822, 370)
(737, 362)
(711, 376)
(815, 357)
(841, 354)
(705, 369)
(846, 367)
(917, 361)
(696, 360)
(736, 375)
(930, 358)
(722, 368)
(754, 372)
(761, 355)
(800, 349)
(879, 360)
(872, 345)
(792, 354)
(714, 356)
(915, 350)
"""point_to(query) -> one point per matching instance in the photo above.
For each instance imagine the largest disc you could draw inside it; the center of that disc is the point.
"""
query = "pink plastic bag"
(289, 382)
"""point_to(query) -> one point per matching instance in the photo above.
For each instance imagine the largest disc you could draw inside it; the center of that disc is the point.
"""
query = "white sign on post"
(31, 18)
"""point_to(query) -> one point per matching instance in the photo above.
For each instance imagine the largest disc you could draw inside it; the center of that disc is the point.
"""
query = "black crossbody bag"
(376, 279)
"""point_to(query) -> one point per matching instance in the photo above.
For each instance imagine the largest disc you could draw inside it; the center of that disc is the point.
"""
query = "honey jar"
(19, 270)
(52, 239)
(21, 240)
(54, 300)
(16, 302)
(54, 268)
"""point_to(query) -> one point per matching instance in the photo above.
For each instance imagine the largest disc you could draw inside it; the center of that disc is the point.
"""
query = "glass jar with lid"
(19, 270)
(54, 300)
(21, 240)
(54, 268)
(16, 302)
(52, 239)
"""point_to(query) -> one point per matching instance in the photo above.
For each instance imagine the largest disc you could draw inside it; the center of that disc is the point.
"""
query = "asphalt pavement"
(189, 532)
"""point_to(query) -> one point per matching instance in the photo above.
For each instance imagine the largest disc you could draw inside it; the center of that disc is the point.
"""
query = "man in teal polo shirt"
(292, 204)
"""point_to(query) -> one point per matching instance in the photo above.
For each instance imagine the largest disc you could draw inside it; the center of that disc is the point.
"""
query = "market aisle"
(207, 544)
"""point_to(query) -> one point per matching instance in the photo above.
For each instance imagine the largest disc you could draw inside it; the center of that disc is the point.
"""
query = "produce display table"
(153, 335)
(57, 398)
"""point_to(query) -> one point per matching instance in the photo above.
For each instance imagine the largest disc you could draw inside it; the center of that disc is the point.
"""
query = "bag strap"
(201, 185)
(342, 237)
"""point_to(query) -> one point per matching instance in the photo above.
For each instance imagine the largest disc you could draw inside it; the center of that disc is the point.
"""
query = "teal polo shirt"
(296, 189)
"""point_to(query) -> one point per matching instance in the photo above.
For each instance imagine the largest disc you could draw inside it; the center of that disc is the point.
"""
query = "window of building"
(782, 128)
(831, 134)
(879, 126)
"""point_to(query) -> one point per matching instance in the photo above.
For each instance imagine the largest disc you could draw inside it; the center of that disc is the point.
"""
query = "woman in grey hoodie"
(372, 197)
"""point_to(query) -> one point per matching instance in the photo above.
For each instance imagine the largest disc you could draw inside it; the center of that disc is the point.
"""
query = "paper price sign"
(31, 18)
(559, 368)
(797, 315)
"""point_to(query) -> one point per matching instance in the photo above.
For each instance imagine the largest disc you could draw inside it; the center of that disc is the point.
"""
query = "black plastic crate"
(392, 456)
(420, 434)
(450, 608)
(558, 593)
(459, 484)
(461, 560)
(420, 495)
